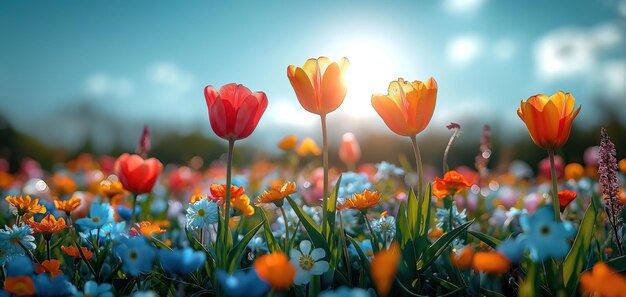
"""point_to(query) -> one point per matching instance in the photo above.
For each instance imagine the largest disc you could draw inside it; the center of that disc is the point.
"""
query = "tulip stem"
(229, 165)
(418, 162)
(325, 164)
(555, 191)
(132, 216)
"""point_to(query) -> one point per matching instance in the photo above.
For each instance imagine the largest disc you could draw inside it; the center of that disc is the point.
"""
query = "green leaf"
(402, 228)
(272, 245)
(311, 228)
(575, 260)
(489, 240)
(434, 250)
(412, 212)
(365, 262)
(618, 263)
(490, 293)
(331, 209)
(234, 256)
(425, 212)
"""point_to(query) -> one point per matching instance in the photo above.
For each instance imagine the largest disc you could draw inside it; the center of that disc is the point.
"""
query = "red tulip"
(234, 111)
(136, 174)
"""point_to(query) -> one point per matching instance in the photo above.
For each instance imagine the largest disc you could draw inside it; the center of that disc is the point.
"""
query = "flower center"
(133, 255)
(201, 212)
(95, 219)
(21, 288)
(545, 230)
(307, 262)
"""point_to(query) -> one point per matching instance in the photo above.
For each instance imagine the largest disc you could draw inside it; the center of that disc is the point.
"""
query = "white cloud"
(614, 78)
(463, 6)
(102, 85)
(567, 52)
(464, 49)
(504, 49)
(170, 75)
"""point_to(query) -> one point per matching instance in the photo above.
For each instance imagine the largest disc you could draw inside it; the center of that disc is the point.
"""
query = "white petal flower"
(308, 262)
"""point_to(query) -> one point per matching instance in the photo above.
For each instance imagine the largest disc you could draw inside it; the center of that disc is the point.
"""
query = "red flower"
(565, 198)
(137, 174)
(234, 111)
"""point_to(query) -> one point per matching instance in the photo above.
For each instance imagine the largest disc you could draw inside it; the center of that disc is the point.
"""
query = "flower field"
(129, 225)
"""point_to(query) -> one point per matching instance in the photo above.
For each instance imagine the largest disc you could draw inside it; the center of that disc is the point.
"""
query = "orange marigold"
(197, 197)
(491, 262)
(278, 191)
(463, 257)
(25, 204)
(451, 183)
(49, 266)
(67, 205)
(48, 226)
(145, 228)
(603, 281)
(72, 251)
(361, 201)
(20, 286)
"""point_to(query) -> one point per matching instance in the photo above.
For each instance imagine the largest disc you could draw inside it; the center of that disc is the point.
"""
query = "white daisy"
(308, 262)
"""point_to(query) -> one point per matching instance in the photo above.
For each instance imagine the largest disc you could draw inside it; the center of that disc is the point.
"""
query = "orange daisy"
(20, 286)
(67, 205)
(48, 226)
(361, 201)
(145, 228)
(49, 266)
(72, 251)
(25, 204)
(278, 191)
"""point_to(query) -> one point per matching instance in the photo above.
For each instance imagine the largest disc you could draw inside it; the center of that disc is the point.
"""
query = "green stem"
(325, 164)
(282, 210)
(555, 191)
(451, 221)
(132, 216)
(418, 161)
(345, 249)
(48, 252)
(372, 235)
(229, 168)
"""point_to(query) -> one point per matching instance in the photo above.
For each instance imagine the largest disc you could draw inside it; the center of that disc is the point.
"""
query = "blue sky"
(103, 68)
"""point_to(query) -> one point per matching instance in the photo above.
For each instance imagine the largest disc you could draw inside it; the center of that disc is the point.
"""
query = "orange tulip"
(565, 198)
(408, 107)
(319, 84)
(384, 267)
(549, 119)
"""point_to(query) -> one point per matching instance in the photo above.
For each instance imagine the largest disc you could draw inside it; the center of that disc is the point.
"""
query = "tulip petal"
(333, 89)
(305, 92)
(390, 112)
(210, 94)
(234, 93)
(424, 109)
(246, 117)
(222, 117)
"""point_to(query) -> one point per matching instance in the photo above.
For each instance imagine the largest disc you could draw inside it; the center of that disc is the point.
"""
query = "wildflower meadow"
(315, 219)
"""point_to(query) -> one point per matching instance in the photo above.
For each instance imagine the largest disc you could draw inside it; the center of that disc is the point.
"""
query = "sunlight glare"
(370, 72)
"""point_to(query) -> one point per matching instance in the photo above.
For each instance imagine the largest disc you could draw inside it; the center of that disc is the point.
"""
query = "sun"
(371, 70)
